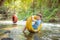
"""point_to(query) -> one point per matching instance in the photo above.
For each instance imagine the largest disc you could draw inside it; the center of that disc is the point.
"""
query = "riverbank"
(24, 22)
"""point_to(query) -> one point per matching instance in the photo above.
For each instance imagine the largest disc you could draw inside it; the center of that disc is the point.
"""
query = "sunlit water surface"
(14, 31)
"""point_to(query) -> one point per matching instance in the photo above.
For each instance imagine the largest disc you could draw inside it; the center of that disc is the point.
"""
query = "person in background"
(14, 18)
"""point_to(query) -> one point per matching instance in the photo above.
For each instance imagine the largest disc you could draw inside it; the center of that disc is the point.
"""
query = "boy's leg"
(24, 29)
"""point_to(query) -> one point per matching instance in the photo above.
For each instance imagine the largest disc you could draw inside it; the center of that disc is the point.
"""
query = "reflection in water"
(15, 31)
(14, 25)
(33, 36)
(36, 36)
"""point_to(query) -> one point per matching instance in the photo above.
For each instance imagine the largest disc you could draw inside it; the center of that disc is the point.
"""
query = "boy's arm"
(33, 18)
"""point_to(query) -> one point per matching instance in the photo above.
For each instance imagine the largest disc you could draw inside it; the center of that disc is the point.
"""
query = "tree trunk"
(1, 2)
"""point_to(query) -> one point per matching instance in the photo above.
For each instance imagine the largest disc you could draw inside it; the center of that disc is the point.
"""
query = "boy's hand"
(33, 18)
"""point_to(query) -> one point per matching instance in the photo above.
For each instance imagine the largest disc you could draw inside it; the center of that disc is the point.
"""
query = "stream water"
(14, 31)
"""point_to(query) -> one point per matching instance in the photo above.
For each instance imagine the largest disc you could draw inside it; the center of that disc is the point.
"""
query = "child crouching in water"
(37, 21)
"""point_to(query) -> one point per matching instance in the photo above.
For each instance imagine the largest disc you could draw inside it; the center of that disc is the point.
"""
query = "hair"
(39, 14)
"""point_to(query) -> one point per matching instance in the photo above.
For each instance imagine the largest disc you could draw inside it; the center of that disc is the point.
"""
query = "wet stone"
(6, 39)
(7, 31)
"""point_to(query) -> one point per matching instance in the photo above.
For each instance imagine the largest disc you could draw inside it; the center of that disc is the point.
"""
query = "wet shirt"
(37, 23)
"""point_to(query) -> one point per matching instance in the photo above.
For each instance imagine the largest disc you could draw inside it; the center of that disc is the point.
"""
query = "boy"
(37, 21)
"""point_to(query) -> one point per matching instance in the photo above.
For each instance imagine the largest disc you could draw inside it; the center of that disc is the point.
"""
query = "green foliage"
(26, 8)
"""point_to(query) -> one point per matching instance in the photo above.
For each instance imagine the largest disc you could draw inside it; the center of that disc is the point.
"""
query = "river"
(49, 32)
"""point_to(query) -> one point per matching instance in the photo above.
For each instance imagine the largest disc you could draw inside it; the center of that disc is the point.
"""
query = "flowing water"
(14, 31)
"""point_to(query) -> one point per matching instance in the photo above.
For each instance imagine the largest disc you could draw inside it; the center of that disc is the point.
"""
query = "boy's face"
(38, 18)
